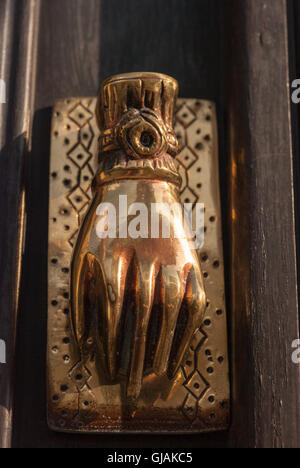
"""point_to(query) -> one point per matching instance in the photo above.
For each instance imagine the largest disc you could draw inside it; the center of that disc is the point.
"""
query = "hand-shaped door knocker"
(113, 265)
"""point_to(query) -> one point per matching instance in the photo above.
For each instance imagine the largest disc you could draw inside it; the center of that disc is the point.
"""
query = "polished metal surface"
(134, 345)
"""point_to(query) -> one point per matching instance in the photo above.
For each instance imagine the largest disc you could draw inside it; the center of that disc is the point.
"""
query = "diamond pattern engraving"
(188, 196)
(186, 158)
(189, 362)
(80, 115)
(196, 385)
(185, 116)
(79, 155)
(73, 238)
(80, 375)
(204, 369)
(198, 339)
(86, 177)
(78, 199)
(86, 135)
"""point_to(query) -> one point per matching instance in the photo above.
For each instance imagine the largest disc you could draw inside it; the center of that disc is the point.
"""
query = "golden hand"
(121, 275)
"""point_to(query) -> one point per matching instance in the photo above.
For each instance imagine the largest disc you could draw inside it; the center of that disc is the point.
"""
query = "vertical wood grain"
(266, 383)
(19, 28)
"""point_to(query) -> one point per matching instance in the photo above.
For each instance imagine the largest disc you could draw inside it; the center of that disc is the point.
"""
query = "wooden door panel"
(234, 53)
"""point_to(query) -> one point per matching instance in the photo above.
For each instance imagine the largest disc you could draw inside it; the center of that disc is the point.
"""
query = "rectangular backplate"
(197, 399)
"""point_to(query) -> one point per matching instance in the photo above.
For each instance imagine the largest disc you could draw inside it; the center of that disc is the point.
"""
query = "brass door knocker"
(136, 341)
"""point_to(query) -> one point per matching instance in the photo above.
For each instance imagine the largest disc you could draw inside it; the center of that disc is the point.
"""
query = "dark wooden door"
(232, 52)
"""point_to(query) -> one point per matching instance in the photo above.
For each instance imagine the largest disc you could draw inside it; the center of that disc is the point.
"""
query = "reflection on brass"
(133, 342)
(154, 273)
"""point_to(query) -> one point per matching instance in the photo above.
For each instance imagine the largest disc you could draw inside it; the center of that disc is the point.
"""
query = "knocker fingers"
(115, 270)
(146, 274)
(104, 285)
(195, 299)
(172, 292)
(84, 286)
